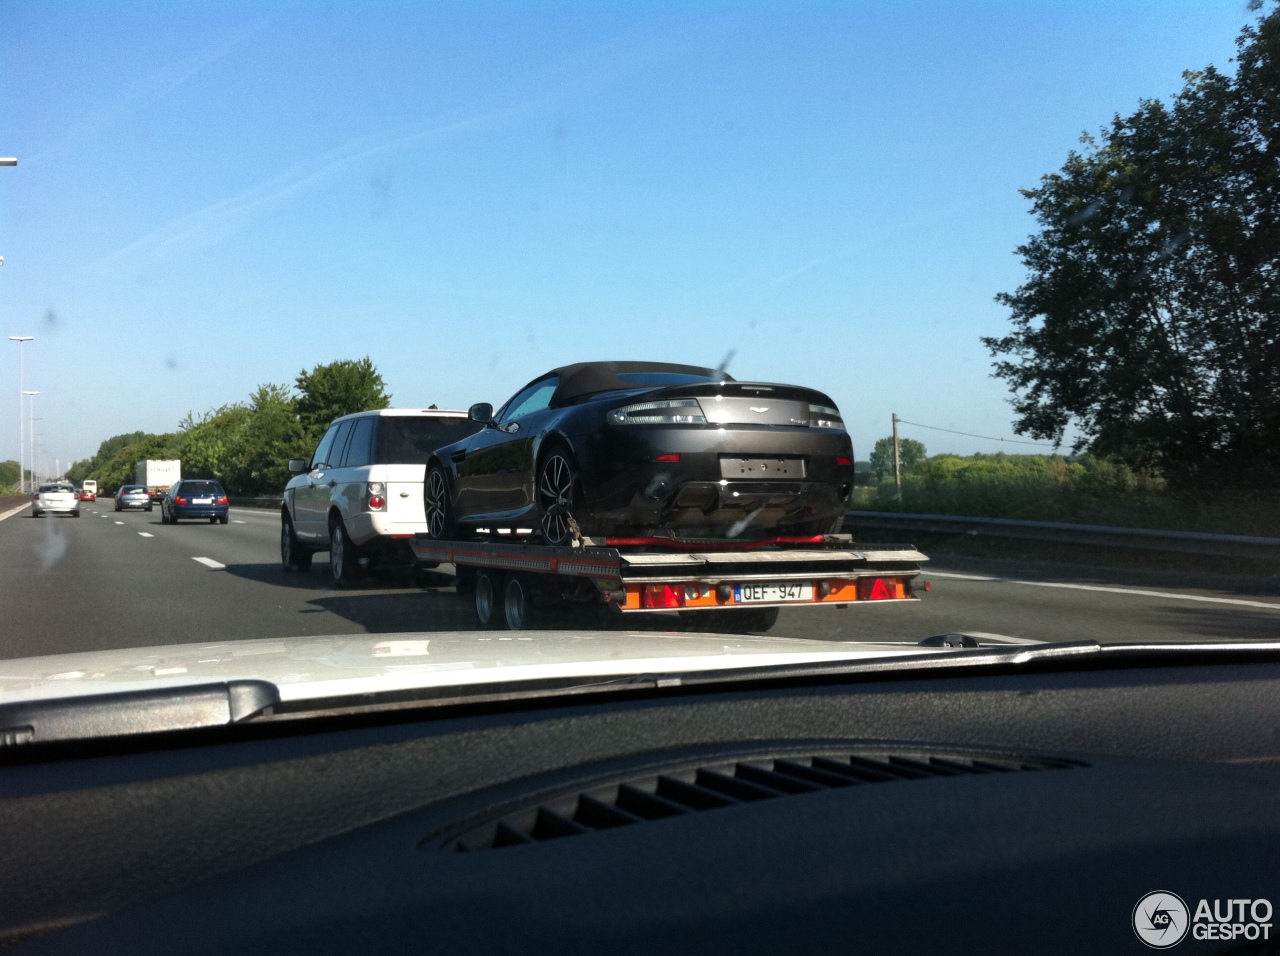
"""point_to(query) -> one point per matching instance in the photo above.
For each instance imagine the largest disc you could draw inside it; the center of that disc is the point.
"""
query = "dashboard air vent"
(710, 786)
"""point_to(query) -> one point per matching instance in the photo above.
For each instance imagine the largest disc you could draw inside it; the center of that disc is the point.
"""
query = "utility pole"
(897, 458)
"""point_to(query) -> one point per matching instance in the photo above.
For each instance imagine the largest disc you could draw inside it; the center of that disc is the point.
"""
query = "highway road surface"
(108, 580)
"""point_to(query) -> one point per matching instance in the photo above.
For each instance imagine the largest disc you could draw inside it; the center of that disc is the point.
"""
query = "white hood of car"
(305, 668)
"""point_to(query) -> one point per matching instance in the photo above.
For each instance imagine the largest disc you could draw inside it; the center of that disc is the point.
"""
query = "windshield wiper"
(135, 712)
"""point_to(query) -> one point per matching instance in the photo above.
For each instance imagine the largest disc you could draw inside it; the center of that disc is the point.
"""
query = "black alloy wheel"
(439, 513)
(557, 483)
(293, 556)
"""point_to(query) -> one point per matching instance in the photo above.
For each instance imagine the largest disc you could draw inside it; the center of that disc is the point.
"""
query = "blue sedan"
(194, 498)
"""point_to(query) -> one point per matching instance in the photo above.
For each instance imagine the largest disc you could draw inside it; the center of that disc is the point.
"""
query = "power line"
(952, 431)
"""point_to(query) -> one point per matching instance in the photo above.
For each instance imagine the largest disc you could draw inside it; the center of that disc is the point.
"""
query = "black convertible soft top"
(588, 378)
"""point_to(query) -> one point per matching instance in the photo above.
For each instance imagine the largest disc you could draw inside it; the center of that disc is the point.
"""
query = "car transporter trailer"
(729, 585)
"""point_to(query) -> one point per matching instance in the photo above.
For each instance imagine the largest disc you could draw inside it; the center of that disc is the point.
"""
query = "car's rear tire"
(557, 496)
(293, 556)
(213, 520)
(222, 520)
(344, 555)
(437, 508)
(75, 514)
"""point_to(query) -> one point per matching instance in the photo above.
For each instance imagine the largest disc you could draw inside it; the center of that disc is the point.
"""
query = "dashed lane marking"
(1136, 592)
(210, 563)
(236, 521)
(145, 534)
(119, 522)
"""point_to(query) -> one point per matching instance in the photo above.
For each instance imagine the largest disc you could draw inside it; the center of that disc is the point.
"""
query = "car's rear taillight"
(222, 500)
(822, 416)
(842, 460)
(180, 501)
(375, 500)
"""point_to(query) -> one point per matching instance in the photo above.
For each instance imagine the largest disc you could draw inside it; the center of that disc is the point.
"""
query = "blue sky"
(213, 196)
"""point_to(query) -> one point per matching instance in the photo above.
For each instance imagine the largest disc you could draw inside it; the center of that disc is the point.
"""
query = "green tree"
(339, 388)
(8, 474)
(910, 453)
(1150, 318)
(272, 436)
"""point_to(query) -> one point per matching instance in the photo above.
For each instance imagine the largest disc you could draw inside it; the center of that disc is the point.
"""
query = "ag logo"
(1160, 919)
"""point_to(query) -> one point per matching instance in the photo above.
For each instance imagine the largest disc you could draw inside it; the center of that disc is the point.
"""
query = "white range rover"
(360, 497)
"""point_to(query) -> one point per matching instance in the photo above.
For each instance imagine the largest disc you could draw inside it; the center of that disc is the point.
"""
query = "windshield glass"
(972, 306)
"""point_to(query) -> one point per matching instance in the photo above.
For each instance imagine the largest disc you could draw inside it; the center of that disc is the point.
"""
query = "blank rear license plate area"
(762, 468)
(772, 592)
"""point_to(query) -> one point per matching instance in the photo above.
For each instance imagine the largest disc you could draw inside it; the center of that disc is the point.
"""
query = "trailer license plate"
(772, 593)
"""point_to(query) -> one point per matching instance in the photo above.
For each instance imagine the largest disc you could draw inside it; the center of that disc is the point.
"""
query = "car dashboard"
(1014, 810)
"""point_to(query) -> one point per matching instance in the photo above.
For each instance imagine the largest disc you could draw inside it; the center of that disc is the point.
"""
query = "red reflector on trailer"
(663, 595)
(875, 589)
(667, 458)
(842, 460)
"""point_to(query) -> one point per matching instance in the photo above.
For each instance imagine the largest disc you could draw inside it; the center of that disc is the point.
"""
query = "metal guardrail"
(1143, 539)
(256, 502)
(1105, 536)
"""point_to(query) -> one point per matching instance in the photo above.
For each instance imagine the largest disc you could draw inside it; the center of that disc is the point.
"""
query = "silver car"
(132, 496)
(58, 498)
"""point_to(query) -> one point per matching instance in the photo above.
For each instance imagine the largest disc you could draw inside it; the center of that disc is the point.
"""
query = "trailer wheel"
(516, 606)
(485, 598)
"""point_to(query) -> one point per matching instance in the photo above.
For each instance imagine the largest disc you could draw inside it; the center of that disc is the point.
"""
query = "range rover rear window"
(410, 440)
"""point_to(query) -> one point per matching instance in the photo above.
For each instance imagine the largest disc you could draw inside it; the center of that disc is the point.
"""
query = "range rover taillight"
(375, 500)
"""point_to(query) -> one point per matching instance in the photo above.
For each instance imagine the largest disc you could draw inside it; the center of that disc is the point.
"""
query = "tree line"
(1150, 317)
(247, 445)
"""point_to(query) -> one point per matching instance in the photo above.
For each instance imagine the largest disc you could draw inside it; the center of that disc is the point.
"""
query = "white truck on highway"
(157, 475)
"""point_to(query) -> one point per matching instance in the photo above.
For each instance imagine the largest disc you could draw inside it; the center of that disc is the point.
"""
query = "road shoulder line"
(13, 511)
(1137, 592)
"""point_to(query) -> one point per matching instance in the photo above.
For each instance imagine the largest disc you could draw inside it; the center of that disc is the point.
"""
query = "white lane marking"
(145, 534)
(13, 511)
(210, 563)
(1137, 592)
(236, 521)
(119, 522)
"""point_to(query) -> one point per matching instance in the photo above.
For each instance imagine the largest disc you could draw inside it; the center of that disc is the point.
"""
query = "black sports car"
(634, 448)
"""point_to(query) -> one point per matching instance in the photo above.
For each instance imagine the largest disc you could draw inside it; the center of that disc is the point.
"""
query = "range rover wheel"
(344, 555)
(293, 556)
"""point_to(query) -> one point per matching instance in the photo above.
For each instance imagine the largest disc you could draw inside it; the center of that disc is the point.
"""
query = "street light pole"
(31, 411)
(22, 340)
